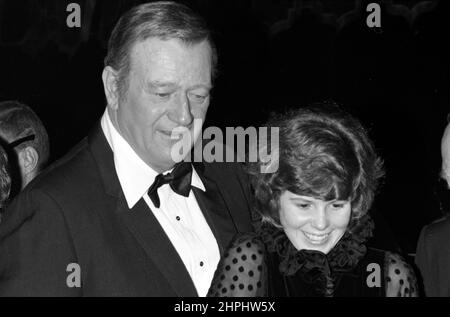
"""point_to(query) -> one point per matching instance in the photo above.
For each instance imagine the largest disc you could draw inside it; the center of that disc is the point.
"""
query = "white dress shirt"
(179, 216)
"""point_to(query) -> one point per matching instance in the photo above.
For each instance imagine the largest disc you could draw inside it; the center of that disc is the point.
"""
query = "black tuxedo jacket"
(76, 212)
(433, 258)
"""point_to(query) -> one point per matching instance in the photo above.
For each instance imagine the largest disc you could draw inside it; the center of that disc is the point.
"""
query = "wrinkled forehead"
(171, 50)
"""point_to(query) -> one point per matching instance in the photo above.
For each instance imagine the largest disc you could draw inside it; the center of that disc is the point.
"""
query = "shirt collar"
(135, 176)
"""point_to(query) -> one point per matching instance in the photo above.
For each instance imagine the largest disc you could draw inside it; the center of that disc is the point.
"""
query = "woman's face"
(313, 224)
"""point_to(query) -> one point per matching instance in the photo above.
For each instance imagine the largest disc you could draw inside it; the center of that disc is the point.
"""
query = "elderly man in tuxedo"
(433, 249)
(117, 216)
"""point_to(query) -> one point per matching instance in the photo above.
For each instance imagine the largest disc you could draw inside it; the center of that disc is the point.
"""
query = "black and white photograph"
(197, 149)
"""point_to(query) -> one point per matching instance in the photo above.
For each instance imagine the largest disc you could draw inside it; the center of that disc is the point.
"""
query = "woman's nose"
(320, 220)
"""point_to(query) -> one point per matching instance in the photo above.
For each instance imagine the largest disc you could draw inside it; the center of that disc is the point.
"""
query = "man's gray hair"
(163, 20)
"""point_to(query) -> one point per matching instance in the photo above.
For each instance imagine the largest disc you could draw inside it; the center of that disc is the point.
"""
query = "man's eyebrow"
(206, 86)
(161, 84)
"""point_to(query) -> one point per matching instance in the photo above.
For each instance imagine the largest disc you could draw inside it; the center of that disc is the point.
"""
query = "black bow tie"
(179, 180)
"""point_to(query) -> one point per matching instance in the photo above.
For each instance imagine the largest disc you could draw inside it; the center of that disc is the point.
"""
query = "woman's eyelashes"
(310, 206)
(304, 205)
(338, 205)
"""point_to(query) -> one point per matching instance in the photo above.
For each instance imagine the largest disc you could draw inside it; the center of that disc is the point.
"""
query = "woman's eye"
(338, 206)
(303, 206)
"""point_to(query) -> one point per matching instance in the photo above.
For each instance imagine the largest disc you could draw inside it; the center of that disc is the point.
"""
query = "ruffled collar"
(315, 267)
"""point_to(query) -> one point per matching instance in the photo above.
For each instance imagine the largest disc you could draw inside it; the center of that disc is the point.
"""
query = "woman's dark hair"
(324, 153)
(5, 179)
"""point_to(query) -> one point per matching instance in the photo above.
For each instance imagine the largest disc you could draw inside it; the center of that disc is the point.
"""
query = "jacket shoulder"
(67, 182)
(70, 173)
(438, 231)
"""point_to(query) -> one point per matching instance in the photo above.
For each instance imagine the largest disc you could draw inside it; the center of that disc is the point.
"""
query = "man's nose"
(181, 112)
(320, 220)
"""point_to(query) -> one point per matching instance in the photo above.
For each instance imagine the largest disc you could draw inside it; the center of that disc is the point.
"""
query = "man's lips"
(171, 134)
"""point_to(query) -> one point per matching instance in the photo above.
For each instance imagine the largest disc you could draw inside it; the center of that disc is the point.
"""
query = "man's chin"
(175, 151)
(166, 159)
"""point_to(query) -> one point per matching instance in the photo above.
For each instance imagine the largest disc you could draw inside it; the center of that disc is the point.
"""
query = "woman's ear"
(111, 86)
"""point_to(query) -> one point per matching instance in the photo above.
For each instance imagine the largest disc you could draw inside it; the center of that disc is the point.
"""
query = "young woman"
(313, 221)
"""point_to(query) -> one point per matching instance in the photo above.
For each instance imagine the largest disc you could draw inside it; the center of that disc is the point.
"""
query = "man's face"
(168, 87)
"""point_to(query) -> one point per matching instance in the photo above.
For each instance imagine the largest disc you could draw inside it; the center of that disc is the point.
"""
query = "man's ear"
(111, 86)
(28, 160)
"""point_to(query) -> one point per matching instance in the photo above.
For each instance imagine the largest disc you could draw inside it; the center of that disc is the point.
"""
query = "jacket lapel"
(216, 214)
(140, 220)
(216, 210)
(148, 232)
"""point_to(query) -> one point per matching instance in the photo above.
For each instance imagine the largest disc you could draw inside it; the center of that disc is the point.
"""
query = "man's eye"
(197, 97)
(304, 206)
(162, 94)
(338, 206)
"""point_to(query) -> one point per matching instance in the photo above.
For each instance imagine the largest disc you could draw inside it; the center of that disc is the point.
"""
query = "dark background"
(272, 55)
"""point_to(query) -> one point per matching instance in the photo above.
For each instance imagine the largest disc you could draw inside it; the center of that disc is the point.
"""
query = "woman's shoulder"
(400, 278)
(241, 269)
(248, 240)
(245, 246)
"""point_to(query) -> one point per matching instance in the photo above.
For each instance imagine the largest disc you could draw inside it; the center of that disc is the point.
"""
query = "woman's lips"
(316, 238)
